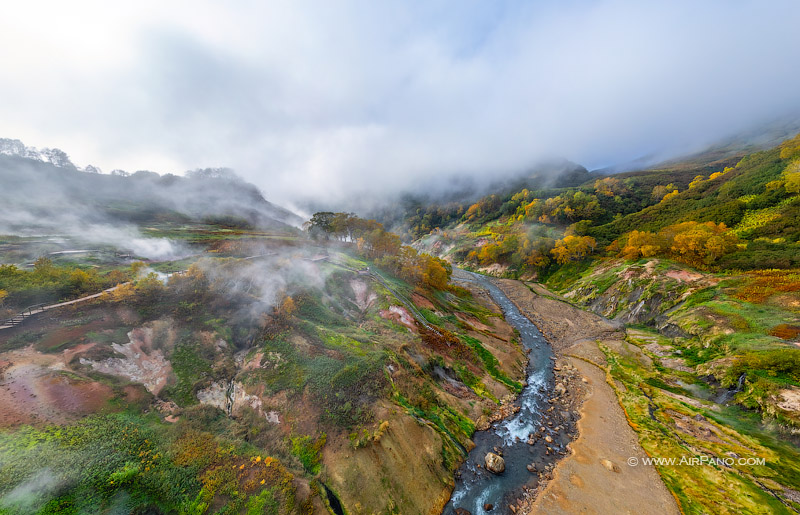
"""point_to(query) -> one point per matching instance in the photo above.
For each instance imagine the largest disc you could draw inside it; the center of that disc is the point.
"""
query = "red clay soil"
(34, 388)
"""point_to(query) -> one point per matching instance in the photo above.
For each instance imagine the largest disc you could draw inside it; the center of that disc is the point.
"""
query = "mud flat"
(595, 476)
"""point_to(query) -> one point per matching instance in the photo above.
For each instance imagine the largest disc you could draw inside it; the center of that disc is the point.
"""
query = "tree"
(573, 248)
(321, 224)
(641, 244)
(610, 187)
(661, 190)
(792, 176)
(694, 243)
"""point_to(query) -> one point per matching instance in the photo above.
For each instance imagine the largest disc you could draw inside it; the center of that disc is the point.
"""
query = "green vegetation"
(671, 429)
(717, 216)
(490, 362)
(47, 282)
(133, 463)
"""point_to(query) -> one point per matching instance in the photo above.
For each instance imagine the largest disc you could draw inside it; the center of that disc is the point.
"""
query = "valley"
(400, 258)
(256, 367)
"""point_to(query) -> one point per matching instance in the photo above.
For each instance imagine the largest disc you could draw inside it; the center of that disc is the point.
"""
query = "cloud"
(350, 98)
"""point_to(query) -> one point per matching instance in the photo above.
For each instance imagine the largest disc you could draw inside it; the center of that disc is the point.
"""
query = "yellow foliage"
(694, 243)
(288, 306)
(123, 292)
(791, 148)
(669, 196)
(573, 248)
(697, 180)
(792, 177)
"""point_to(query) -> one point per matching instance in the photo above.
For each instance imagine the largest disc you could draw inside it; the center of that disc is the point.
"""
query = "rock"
(482, 424)
(585, 380)
(548, 439)
(461, 511)
(488, 506)
(560, 389)
(609, 465)
(531, 468)
(494, 463)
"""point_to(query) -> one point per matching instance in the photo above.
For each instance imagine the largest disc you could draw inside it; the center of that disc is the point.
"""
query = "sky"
(343, 99)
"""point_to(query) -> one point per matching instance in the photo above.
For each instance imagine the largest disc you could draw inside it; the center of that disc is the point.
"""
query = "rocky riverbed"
(516, 447)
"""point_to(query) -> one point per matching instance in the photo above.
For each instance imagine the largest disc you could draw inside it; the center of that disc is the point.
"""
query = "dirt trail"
(595, 477)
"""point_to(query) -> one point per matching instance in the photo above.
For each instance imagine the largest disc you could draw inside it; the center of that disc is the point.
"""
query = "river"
(476, 487)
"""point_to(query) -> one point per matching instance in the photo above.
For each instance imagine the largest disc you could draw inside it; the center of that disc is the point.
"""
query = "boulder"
(609, 465)
(494, 463)
(560, 389)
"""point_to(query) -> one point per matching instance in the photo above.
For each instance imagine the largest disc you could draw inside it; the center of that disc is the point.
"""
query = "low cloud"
(346, 99)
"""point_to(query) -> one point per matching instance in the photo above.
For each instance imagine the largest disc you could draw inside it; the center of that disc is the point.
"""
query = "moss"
(191, 369)
(490, 363)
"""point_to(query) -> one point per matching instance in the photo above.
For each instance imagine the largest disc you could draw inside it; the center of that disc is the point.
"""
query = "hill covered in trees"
(731, 214)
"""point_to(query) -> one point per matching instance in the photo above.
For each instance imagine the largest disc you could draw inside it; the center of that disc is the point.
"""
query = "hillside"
(699, 267)
(43, 189)
(274, 372)
(752, 201)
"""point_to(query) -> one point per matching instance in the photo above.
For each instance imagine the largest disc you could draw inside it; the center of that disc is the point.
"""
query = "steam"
(30, 494)
(128, 238)
(264, 280)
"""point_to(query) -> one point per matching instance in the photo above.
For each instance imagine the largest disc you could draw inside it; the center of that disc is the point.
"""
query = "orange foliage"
(785, 331)
(762, 284)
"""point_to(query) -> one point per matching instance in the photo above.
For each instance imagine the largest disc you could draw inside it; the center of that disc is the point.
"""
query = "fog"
(347, 99)
(52, 198)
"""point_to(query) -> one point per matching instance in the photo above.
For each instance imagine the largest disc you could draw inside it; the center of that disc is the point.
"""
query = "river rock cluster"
(558, 428)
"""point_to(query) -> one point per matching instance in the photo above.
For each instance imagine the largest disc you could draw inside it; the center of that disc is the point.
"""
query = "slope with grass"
(251, 385)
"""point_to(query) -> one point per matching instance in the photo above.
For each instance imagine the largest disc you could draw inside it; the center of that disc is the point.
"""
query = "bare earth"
(595, 477)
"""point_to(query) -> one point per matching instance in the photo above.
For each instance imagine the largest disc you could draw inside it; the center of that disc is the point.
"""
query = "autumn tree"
(694, 243)
(573, 248)
(792, 177)
(660, 191)
(641, 244)
(610, 187)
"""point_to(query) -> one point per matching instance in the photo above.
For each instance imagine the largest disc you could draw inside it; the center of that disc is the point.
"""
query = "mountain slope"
(44, 187)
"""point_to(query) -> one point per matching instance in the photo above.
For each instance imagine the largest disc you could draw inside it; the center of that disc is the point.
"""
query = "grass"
(490, 363)
(190, 368)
